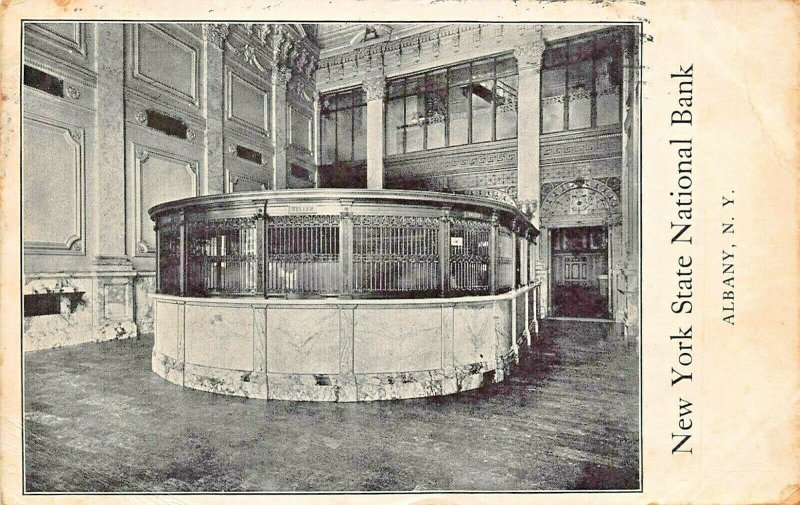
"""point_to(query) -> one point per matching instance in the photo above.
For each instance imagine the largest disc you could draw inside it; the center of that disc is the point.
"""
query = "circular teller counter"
(341, 295)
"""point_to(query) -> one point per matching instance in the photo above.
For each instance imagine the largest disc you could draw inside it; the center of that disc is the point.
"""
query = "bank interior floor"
(98, 420)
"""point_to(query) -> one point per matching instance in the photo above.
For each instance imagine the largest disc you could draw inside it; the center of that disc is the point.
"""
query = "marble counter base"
(334, 350)
(331, 387)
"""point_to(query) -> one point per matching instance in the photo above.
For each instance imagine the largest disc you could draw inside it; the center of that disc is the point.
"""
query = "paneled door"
(580, 272)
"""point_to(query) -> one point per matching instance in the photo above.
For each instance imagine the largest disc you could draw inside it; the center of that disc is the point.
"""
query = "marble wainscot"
(335, 349)
(88, 307)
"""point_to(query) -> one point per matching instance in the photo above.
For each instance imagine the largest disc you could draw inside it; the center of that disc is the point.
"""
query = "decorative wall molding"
(488, 170)
(73, 92)
(504, 195)
(241, 91)
(304, 62)
(438, 46)
(595, 169)
(246, 177)
(140, 116)
(249, 55)
(69, 36)
(581, 203)
(441, 45)
(487, 183)
(156, 80)
(144, 155)
(300, 141)
(581, 148)
(282, 46)
(137, 101)
(232, 151)
(415, 40)
(242, 182)
(73, 237)
(216, 33)
(302, 90)
(55, 65)
(141, 154)
(281, 76)
(471, 158)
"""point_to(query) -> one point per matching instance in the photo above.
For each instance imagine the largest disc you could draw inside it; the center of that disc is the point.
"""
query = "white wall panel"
(53, 186)
(246, 103)
(160, 177)
(165, 63)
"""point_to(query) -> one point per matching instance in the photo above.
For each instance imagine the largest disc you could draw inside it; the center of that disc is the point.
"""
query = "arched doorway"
(579, 219)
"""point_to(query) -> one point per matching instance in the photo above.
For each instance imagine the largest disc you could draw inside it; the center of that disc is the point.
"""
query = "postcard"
(445, 252)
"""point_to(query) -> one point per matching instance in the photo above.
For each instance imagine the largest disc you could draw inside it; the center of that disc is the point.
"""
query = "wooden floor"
(97, 419)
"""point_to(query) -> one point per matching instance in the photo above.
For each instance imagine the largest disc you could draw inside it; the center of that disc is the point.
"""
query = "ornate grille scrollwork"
(395, 254)
(169, 253)
(469, 256)
(505, 259)
(222, 256)
(302, 254)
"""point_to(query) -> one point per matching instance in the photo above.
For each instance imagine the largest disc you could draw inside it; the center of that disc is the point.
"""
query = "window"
(581, 84)
(343, 127)
(464, 104)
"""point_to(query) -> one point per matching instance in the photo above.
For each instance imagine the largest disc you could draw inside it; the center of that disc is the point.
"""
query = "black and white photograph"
(399, 252)
(330, 257)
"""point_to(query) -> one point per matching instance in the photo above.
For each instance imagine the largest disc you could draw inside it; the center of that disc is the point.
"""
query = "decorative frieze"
(489, 173)
(604, 146)
(497, 185)
(499, 156)
(606, 167)
(408, 50)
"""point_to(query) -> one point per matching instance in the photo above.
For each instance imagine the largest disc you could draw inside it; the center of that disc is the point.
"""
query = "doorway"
(579, 265)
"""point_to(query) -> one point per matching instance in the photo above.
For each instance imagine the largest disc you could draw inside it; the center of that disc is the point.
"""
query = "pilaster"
(375, 90)
(529, 63)
(280, 79)
(283, 46)
(109, 240)
(629, 278)
(214, 36)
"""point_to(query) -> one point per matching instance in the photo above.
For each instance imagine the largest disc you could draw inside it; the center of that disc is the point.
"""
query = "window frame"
(448, 69)
(566, 46)
(354, 104)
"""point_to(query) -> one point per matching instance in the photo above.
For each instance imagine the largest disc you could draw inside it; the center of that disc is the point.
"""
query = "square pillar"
(109, 242)
(375, 90)
(214, 36)
(627, 309)
(280, 79)
(529, 64)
